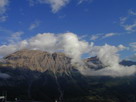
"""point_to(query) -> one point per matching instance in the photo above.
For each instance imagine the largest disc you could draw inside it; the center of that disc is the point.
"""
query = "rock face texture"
(42, 76)
(42, 61)
(39, 60)
(46, 77)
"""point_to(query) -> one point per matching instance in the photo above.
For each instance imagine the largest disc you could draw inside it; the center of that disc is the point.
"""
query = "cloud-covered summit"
(70, 44)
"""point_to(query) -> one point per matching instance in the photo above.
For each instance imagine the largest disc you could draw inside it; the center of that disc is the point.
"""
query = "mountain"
(39, 61)
(93, 63)
(42, 61)
(43, 76)
(127, 63)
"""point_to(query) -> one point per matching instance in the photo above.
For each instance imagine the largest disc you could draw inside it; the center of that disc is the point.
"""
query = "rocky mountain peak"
(39, 60)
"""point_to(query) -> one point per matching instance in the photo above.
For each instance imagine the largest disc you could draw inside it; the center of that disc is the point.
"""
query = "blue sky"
(99, 21)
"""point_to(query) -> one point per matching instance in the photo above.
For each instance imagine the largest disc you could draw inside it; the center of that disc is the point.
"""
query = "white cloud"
(3, 8)
(127, 27)
(130, 27)
(131, 12)
(81, 1)
(44, 42)
(133, 45)
(3, 5)
(31, 2)
(3, 18)
(72, 46)
(108, 54)
(102, 36)
(67, 42)
(123, 20)
(95, 37)
(132, 58)
(109, 35)
(15, 37)
(34, 25)
(109, 57)
(56, 5)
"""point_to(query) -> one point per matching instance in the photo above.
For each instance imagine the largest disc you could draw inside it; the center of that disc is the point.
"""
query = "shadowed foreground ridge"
(52, 76)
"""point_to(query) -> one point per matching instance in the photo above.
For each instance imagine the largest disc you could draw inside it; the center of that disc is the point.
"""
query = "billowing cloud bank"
(68, 43)
(72, 46)
(109, 57)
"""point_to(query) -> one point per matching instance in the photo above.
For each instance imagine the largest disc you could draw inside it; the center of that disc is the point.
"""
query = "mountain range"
(43, 76)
